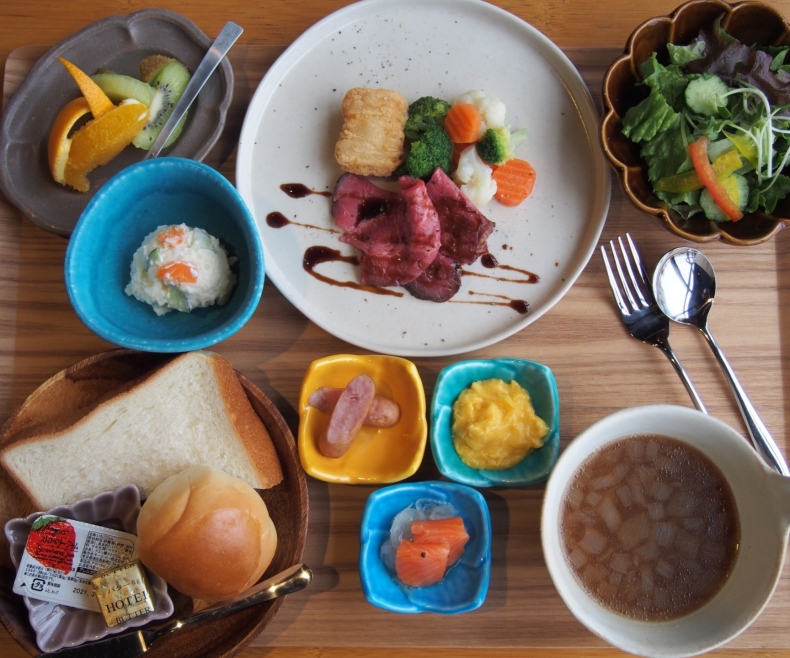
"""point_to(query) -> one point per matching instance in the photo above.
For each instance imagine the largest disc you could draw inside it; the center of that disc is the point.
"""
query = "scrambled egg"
(495, 426)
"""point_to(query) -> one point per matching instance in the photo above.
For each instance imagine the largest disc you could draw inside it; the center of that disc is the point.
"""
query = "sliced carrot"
(514, 181)
(177, 272)
(462, 123)
(172, 237)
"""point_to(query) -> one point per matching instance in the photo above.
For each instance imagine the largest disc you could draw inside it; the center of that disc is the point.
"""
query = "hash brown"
(371, 140)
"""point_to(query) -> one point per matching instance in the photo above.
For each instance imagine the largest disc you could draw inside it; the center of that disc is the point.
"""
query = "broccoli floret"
(433, 150)
(424, 112)
(497, 144)
(494, 146)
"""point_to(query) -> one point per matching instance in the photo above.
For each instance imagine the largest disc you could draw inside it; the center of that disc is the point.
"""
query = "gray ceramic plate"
(118, 43)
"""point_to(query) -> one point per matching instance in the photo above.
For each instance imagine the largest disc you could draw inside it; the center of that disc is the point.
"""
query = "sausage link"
(383, 412)
(347, 416)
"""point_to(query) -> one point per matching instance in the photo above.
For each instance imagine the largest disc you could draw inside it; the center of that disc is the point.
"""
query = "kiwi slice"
(168, 83)
(151, 64)
(120, 87)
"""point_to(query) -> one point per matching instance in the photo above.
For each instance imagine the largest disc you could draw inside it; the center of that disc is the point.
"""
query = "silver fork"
(638, 308)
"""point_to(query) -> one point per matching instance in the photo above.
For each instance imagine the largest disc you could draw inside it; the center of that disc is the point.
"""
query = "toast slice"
(191, 410)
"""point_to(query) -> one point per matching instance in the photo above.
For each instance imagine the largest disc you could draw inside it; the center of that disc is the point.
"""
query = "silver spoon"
(222, 44)
(684, 285)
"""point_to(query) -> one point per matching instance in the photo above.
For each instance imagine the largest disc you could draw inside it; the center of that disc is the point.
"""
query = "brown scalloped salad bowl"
(749, 22)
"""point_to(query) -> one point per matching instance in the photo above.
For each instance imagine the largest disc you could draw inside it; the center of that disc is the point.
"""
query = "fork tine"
(623, 279)
(642, 283)
(618, 298)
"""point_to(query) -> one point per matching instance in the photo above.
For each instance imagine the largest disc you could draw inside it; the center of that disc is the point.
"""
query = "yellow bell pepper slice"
(746, 147)
(722, 166)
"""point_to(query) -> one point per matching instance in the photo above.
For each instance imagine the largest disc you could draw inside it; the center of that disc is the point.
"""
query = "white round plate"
(440, 48)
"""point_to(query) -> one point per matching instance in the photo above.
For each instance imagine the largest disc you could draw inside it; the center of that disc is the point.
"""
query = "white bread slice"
(13, 504)
(192, 410)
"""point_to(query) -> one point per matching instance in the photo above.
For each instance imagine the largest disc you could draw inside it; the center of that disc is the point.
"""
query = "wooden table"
(598, 367)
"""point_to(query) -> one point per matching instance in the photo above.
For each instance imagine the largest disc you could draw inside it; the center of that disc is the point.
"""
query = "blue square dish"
(465, 585)
(539, 382)
(151, 193)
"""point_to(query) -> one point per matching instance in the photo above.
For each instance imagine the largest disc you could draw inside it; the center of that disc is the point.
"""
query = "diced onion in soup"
(649, 527)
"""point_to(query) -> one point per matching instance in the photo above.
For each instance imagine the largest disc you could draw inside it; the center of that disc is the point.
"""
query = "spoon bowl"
(684, 285)
(687, 286)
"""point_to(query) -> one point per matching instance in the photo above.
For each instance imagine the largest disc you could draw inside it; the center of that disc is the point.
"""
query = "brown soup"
(650, 527)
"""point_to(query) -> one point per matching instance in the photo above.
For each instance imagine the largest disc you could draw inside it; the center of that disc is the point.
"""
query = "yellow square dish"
(378, 454)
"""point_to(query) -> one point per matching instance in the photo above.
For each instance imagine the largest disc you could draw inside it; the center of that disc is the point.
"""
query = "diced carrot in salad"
(177, 272)
(173, 236)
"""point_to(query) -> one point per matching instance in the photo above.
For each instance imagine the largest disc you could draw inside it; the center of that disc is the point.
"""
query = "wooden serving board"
(599, 369)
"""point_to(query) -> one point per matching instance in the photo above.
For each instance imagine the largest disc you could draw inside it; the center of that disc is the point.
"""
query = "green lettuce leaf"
(768, 198)
(644, 121)
(685, 204)
(682, 55)
(669, 81)
(666, 153)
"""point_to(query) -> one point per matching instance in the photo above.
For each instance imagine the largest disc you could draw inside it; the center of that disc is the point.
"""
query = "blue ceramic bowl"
(539, 382)
(126, 209)
(465, 585)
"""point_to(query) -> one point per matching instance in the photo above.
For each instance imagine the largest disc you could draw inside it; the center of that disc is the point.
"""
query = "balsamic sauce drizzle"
(299, 191)
(278, 220)
(519, 305)
(314, 256)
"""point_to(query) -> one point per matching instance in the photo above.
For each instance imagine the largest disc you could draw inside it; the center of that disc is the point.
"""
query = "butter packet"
(124, 594)
(62, 556)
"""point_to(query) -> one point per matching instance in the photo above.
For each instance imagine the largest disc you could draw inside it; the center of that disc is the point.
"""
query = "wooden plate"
(98, 377)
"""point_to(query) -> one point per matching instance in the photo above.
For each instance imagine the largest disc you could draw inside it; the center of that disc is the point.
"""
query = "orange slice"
(99, 102)
(100, 140)
(59, 141)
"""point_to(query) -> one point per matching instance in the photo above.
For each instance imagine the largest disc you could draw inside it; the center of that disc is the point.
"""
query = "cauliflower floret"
(492, 109)
(473, 176)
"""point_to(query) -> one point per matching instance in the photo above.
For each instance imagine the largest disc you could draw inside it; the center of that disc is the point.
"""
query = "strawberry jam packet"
(62, 557)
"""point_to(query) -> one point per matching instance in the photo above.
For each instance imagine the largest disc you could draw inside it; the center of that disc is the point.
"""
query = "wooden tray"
(598, 367)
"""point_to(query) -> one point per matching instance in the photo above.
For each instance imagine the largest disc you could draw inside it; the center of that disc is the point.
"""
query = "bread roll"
(206, 533)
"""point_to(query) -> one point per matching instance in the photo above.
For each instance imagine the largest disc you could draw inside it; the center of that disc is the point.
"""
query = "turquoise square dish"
(465, 585)
(539, 382)
(128, 207)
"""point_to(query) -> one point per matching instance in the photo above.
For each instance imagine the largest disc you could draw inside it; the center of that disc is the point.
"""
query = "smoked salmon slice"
(450, 531)
(419, 565)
